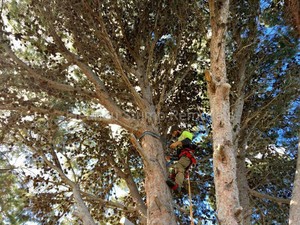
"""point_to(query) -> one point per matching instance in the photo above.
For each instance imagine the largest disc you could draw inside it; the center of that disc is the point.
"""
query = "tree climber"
(185, 157)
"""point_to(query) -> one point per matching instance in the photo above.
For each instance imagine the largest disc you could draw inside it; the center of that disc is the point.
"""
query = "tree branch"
(271, 198)
(83, 214)
(261, 112)
(34, 74)
(174, 86)
(104, 36)
(133, 51)
(50, 164)
(91, 197)
(139, 148)
(104, 98)
(127, 176)
(5, 170)
(31, 109)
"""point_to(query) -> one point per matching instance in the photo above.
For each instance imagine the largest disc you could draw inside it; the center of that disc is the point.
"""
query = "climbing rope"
(190, 198)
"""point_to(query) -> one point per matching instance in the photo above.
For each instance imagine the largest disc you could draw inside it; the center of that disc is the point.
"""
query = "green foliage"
(58, 116)
(12, 203)
(267, 51)
(61, 124)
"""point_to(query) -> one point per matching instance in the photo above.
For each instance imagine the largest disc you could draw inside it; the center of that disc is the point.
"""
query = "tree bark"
(271, 198)
(240, 141)
(243, 188)
(137, 198)
(159, 199)
(227, 196)
(134, 192)
(83, 212)
(295, 201)
(293, 13)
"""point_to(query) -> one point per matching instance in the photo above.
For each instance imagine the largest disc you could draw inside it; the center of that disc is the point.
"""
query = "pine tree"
(78, 59)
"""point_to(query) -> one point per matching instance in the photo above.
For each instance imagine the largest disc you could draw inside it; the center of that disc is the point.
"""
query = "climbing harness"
(189, 154)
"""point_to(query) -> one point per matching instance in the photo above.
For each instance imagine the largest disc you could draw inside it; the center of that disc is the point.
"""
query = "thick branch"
(104, 36)
(33, 73)
(103, 96)
(71, 57)
(131, 185)
(91, 197)
(83, 212)
(31, 109)
(139, 148)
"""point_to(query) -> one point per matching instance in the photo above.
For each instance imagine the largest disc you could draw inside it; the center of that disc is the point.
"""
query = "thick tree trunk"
(295, 201)
(227, 196)
(159, 199)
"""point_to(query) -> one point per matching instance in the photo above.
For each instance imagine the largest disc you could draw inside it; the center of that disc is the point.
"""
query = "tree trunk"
(159, 199)
(292, 13)
(227, 196)
(240, 141)
(243, 188)
(295, 201)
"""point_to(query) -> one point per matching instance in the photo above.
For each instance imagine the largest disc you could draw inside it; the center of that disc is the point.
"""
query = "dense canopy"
(81, 81)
